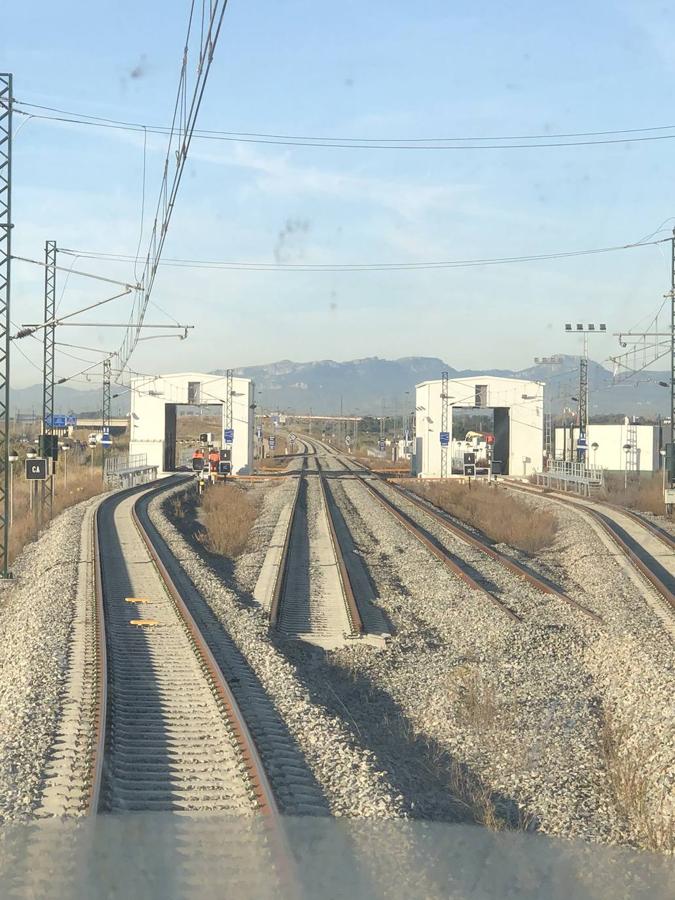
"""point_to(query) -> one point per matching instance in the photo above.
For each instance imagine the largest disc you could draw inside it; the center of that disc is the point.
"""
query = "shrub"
(501, 516)
(227, 516)
(645, 494)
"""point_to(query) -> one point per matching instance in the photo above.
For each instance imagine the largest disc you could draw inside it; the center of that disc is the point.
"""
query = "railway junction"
(368, 655)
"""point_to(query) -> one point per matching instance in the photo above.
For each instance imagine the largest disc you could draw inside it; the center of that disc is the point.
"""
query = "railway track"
(649, 548)
(374, 484)
(170, 735)
(313, 598)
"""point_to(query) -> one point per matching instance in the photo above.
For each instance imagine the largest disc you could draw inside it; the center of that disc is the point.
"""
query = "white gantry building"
(154, 404)
(518, 411)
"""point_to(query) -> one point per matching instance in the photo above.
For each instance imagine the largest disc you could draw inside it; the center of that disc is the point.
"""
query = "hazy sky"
(381, 69)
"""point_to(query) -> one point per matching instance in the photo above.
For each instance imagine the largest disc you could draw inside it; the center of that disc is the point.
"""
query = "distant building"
(517, 411)
(643, 442)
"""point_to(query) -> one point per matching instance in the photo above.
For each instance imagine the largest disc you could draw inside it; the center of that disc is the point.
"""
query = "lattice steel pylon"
(105, 408)
(583, 404)
(548, 432)
(632, 442)
(6, 100)
(49, 334)
(671, 475)
(229, 390)
(445, 388)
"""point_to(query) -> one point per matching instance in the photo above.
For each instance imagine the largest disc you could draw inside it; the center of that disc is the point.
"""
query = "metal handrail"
(120, 461)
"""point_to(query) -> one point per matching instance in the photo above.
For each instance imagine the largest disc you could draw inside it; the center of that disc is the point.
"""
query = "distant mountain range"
(372, 385)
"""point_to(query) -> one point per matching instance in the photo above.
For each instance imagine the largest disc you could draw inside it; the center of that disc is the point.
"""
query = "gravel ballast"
(467, 714)
(36, 613)
(347, 772)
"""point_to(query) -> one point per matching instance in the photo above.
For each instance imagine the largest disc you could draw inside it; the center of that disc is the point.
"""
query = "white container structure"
(153, 416)
(611, 440)
(517, 407)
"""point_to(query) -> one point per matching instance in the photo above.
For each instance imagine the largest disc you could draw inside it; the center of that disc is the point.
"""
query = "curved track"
(170, 733)
(647, 546)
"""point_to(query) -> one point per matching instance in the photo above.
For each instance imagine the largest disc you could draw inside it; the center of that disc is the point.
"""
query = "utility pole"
(229, 382)
(381, 444)
(582, 443)
(671, 472)
(105, 415)
(6, 100)
(48, 370)
(445, 430)
(582, 401)
(548, 408)
(342, 426)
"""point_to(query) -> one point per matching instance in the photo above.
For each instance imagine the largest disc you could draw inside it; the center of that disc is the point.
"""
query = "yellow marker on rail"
(136, 600)
(143, 623)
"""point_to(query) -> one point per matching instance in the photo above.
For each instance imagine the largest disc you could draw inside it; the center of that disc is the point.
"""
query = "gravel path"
(347, 773)
(36, 615)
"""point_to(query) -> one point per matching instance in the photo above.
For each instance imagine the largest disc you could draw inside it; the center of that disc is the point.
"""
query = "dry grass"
(650, 818)
(227, 515)
(502, 517)
(645, 495)
(475, 699)
(25, 526)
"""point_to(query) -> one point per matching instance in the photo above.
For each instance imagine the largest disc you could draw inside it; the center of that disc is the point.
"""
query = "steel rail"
(282, 571)
(612, 530)
(255, 770)
(247, 747)
(473, 540)
(351, 603)
(441, 553)
(101, 711)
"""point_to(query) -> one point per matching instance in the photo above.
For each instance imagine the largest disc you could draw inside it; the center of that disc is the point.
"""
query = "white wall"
(610, 440)
(525, 400)
(150, 395)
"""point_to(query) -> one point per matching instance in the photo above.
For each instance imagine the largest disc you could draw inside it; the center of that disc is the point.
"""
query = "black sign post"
(36, 469)
(469, 464)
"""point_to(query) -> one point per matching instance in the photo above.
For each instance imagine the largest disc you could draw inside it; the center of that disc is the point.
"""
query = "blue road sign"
(273, 442)
(106, 440)
(60, 421)
(581, 441)
(445, 438)
(381, 445)
(228, 435)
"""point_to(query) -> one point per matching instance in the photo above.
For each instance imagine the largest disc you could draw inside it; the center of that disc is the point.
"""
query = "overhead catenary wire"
(364, 267)
(500, 142)
(182, 128)
(71, 271)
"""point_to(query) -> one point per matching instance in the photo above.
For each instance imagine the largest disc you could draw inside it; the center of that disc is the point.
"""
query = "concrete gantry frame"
(153, 415)
(519, 421)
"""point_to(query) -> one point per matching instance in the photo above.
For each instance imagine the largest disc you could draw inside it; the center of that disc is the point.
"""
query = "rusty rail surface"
(262, 788)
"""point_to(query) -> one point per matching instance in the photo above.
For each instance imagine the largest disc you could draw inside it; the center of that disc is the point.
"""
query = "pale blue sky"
(377, 69)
